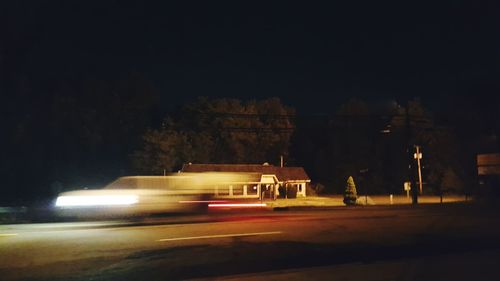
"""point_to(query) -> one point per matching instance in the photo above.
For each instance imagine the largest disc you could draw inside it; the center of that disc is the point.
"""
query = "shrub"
(292, 191)
(350, 194)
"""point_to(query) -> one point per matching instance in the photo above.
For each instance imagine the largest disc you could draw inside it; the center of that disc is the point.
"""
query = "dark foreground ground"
(426, 242)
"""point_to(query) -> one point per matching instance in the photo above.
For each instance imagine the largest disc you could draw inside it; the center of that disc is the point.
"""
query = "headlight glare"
(96, 200)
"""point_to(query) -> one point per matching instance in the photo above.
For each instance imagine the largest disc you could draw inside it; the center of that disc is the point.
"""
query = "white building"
(255, 181)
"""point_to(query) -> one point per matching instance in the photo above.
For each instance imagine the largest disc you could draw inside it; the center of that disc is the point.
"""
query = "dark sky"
(70, 71)
(312, 56)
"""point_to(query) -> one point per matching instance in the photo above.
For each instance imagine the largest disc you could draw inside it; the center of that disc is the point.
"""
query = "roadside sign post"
(407, 188)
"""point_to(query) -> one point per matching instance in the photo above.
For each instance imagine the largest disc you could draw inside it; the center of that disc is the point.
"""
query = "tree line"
(85, 134)
(365, 141)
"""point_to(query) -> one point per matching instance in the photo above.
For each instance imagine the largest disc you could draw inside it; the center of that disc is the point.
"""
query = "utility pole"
(411, 175)
(418, 156)
(362, 176)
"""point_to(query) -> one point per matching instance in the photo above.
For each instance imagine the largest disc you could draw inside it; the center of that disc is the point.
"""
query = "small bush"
(350, 194)
(292, 192)
(320, 189)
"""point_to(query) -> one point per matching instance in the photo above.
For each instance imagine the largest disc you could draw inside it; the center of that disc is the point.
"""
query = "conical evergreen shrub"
(350, 194)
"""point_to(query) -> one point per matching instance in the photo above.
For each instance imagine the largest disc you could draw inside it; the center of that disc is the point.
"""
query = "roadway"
(373, 243)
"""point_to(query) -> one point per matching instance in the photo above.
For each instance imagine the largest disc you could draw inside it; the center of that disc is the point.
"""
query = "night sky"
(65, 64)
(312, 56)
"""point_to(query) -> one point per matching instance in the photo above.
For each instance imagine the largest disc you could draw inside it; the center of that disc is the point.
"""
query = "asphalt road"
(432, 242)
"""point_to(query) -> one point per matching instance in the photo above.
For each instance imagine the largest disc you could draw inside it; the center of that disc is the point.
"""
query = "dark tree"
(218, 131)
(73, 133)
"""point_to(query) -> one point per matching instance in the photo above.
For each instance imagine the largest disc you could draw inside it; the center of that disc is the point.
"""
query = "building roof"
(282, 173)
(224, 177)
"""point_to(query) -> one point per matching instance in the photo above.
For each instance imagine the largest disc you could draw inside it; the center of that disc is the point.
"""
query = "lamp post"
(411, 176)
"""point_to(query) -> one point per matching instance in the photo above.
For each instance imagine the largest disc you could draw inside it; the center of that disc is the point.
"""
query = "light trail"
(219, 236)
(203, 201)
(7, 234)
(242, 205)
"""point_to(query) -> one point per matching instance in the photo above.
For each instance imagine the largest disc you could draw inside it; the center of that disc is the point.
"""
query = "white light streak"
(95, 200)
(7, 234)
(237, 205)
(201, 201)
